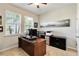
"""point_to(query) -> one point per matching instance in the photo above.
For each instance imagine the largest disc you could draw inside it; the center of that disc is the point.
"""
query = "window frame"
(32, 22)
(19, 23)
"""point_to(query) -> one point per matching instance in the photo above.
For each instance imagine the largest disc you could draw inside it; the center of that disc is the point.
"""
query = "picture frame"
(1, 28)
(35, 25)
(62, 23)
(0, 20)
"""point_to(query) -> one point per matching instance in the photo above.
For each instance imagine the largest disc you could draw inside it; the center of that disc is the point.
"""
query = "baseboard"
(8, 48)
(72, 48)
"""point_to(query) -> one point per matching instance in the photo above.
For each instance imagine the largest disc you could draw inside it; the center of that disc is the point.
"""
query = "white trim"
(8, 48)
(11, 35)
(72, 48)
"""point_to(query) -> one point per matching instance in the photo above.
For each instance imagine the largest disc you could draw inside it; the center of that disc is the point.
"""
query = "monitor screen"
(33, 32)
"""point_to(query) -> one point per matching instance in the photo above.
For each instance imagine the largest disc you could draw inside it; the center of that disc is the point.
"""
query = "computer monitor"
(32, 32)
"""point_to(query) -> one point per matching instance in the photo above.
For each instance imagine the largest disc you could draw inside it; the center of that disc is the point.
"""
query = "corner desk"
(35, 47)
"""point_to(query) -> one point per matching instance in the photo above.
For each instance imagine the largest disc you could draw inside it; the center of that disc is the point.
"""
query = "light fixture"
(36, 3)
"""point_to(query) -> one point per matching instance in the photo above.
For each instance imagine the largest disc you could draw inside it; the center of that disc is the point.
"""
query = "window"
(12, 23)
(28, 23)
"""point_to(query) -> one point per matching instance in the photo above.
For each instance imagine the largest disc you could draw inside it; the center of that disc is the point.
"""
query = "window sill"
(11, 35)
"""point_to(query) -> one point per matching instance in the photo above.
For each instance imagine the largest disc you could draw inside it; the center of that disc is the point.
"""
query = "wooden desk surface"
(33, 41)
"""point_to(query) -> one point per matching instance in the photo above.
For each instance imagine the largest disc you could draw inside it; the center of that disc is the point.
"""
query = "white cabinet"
(47, 40)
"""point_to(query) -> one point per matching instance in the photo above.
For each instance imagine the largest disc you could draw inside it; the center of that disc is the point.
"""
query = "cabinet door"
(40, 48)
(28, 47)
(52, 41)
(62, 43)
(19, 42)
(58, 42)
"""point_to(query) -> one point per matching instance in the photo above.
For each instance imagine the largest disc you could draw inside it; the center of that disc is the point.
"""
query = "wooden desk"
(34, 48)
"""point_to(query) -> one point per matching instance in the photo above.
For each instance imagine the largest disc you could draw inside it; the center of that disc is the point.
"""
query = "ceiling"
(43, 8)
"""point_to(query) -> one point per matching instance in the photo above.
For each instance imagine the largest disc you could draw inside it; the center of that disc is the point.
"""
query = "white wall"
(67, 12)
(12, 41)
(77, 28)
(54, 15)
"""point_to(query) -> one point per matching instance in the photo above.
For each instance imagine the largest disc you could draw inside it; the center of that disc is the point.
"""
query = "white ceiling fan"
(37, 4)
